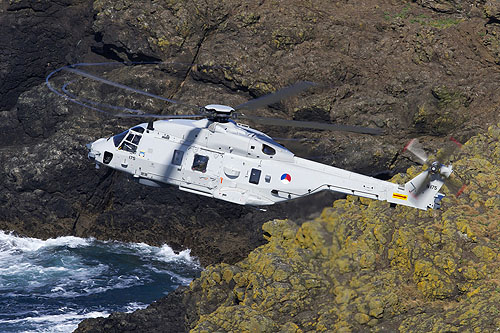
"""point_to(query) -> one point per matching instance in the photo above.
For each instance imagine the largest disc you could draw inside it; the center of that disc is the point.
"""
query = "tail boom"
(421, 192)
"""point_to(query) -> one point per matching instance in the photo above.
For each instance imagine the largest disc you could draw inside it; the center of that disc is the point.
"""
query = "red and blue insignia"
(286, 178)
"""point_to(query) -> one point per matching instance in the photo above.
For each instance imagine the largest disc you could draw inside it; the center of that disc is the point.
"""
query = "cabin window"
(255, 176)
(200, 163)
(268, 178)
(177, 158)
(268, 150)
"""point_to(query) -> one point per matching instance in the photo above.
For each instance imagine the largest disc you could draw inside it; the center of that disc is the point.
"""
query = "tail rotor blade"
(422, 185)
(453, 182)
(416, 148)
(455, 185)
(450, 147)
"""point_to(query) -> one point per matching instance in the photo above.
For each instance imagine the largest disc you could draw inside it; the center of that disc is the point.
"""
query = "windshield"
(119, 137)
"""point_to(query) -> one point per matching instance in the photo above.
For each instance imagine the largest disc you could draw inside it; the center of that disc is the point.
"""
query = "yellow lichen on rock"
(365, 266)
(430, 281)
(485, 253)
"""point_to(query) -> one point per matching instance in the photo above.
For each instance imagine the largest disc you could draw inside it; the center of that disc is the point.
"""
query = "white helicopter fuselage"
(235, 163)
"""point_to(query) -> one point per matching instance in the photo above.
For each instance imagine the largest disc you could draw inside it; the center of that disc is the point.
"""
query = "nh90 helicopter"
(215, 156)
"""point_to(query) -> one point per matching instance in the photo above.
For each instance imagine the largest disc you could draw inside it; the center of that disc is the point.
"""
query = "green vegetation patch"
(408, 16)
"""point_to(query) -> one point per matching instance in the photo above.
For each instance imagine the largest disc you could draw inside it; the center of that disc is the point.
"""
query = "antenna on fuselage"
(150, 125)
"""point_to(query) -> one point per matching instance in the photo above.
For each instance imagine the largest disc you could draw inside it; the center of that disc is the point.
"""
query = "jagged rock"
(467, 7)
(387, 291)
(162, 315)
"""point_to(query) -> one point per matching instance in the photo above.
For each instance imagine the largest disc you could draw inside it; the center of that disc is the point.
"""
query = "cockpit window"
(132, 138)
(119, 137)
(131, 142)
(268, 150)
(127, 146)
(136, 139)
(138, 129)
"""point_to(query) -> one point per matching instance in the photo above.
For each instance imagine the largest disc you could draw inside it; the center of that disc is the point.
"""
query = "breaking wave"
(51, 285)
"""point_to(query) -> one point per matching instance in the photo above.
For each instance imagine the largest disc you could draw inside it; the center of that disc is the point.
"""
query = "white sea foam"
(164, 253)
(173, 276)
(180, 279)
(167, 254)
(10, 242)
(64, 322)
(134, 306)
(64, 273)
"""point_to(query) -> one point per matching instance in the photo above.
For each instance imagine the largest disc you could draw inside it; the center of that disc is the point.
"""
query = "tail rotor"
(436, 166)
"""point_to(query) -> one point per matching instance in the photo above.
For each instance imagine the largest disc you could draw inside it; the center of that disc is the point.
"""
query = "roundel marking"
(286, 178)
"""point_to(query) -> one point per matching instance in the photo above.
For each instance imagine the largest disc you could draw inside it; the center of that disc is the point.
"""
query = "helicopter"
(213, 155)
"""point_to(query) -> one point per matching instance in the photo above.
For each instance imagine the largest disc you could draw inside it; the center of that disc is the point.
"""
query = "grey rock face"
(35, 37)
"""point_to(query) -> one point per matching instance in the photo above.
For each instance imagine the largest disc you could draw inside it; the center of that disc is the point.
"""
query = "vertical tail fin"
(424, 189)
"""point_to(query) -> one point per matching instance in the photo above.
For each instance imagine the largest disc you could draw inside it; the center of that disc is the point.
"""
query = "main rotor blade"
(158, 116)
(122, 86)
(312, 125)
(276, 96)
(125, 112)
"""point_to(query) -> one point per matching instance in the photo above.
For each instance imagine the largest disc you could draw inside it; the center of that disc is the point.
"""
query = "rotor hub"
(218, 108)
(435, 167)
(219, 113)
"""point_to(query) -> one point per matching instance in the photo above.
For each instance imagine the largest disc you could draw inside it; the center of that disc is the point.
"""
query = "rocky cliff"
(360, 266)
(426, 69)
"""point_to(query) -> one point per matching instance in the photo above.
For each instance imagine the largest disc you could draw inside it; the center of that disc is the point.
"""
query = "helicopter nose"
(100, 151)
(93, 148)
(91, 154)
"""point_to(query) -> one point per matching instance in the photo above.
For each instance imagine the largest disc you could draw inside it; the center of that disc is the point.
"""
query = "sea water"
(51, 285)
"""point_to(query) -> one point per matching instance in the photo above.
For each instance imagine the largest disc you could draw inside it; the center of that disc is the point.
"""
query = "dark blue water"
(52, 285)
